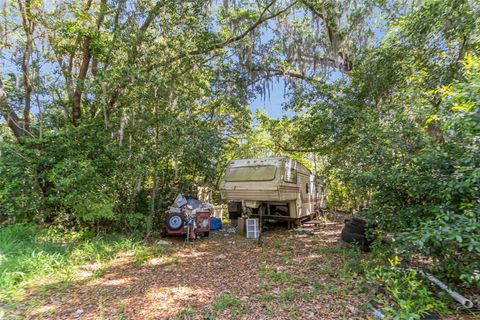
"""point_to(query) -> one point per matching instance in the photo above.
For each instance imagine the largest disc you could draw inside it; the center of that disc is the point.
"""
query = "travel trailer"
(278, 188)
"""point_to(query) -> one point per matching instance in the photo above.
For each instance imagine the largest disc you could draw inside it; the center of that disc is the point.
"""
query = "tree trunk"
(16, 124)
(27, 24)
(82, 74)
(152, 207)
(21, 127)
(84, 66)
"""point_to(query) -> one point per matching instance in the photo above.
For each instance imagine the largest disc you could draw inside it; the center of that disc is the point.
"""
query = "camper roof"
(268, 161)
(257, 161)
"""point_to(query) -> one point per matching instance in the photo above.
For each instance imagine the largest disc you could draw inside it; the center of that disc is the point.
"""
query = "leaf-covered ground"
(289, 276)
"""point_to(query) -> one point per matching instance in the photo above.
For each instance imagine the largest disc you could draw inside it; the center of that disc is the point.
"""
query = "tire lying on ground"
(352, 227)
(354, 232)
(356, 239)
(359, 221)
(353, 237)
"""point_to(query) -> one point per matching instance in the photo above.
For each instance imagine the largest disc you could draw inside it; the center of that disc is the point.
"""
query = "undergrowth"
(30, 253)
(398, 292)
(228, 301)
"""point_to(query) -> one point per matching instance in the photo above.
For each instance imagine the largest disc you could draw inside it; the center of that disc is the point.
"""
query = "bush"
(65, 175)
(431, 201)
(80, 176)
(453, 241)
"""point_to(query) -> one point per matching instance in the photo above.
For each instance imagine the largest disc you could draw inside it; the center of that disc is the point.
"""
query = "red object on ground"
(202, 225)
(170, 231)
(202, 220)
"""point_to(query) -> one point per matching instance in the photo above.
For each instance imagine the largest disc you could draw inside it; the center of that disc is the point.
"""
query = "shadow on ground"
(288, 277)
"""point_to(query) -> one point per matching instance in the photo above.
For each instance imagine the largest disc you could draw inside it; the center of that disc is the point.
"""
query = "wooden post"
(260, 224)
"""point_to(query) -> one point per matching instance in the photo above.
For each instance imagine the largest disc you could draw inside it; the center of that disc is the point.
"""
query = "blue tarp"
(215, 223)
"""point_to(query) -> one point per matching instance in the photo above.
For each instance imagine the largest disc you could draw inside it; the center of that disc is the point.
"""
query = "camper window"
(306, 188)
(290, 174)
(257, 173)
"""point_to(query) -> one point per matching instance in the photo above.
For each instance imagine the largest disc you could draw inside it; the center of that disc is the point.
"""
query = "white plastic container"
(252, 228)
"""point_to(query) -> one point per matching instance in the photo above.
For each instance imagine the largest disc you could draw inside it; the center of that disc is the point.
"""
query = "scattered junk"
(188, 217)
(229, 231)
(232, 230)
(308, 228)
(355, 232)
(179, 201)
(277, 188)
(455, 295)
(78, 312)
(377, 314)
(304, 232)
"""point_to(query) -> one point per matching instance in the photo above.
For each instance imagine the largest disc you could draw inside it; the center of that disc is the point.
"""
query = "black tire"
(357, 239)
(352, 227)
(359, 221)
(173, 221)
(206, 234)
(353, 237)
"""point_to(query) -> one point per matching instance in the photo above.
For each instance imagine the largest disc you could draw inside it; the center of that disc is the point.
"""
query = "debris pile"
(190, 217)
(308, 228)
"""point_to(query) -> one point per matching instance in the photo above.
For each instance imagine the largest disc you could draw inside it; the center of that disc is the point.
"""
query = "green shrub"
(65, 176)
(408, 296)
(453, 240)
(430, 200)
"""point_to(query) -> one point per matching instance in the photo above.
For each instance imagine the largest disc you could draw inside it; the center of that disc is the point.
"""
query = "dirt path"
(222, 277)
